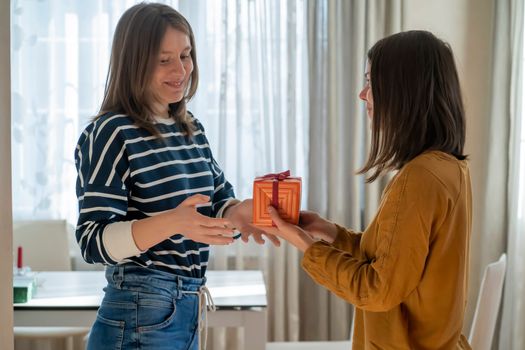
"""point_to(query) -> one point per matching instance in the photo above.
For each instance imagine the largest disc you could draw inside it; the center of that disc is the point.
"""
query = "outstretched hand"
(198, 227)
(317, 227)
(298, 237)
(240, 216)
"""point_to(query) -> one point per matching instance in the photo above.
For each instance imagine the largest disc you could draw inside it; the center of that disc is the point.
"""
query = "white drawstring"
(205, 299)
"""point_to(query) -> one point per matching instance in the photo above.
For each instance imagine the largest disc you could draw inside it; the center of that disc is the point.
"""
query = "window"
(252, 96)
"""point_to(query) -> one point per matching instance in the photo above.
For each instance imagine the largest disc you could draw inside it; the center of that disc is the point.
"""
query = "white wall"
(6, 236)
(467, 26)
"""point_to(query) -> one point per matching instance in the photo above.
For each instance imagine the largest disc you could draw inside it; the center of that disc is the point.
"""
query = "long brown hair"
(134, 55)
(417, 101)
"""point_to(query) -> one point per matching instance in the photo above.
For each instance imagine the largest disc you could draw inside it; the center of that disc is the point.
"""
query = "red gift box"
(281, 191)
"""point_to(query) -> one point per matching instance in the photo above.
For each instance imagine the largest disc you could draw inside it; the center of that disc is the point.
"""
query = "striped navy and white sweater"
(126, 174)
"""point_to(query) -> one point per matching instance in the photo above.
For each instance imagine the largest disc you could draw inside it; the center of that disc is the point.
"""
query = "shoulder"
(104, 131)
(197, 125)
(435, 170)
(112, 123)
(108, 126)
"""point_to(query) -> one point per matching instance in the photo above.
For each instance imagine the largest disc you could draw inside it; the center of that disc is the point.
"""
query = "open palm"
(241, 216)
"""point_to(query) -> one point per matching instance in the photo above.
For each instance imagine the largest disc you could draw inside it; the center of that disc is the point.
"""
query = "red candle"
(19, 263)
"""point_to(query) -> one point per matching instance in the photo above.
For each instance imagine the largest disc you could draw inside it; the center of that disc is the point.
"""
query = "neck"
(161, 110)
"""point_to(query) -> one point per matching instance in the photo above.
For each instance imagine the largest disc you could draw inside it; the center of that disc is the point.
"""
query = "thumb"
(196, 199)
(274, 214)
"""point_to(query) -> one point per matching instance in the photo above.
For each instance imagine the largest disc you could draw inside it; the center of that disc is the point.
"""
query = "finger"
(216, 240)
(253, 229)
(216, 231)
(259, 233)
(274, 234)
(213, 222)
(257, 237)
(276, 242)
(276, 218)
(196, 199)
(245, 236)
(271, 231)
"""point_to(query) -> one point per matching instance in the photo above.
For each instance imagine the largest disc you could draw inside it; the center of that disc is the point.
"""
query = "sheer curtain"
(501, 225)
(512, 12)
(59, 54)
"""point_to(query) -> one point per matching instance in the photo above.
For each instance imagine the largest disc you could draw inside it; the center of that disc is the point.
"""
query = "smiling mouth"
(174, 84)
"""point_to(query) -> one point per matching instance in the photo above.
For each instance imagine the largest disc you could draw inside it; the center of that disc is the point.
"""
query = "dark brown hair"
(417, 101)
(134, 55)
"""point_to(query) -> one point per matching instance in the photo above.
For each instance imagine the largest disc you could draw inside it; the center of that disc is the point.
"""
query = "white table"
(72, 299)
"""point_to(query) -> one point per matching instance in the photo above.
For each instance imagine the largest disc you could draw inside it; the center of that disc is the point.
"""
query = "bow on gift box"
(275, 186)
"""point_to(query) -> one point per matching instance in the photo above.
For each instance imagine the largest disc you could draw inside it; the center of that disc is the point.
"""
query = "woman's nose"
(178, 68)
(362, 94)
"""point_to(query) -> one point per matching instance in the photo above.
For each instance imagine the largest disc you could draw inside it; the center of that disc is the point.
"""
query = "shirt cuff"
(230, 202)
(118, 241)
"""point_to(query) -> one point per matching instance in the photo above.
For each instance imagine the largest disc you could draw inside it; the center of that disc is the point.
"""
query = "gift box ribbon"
(275, 186)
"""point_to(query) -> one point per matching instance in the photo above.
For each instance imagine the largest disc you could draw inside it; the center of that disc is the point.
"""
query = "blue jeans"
(147, 309)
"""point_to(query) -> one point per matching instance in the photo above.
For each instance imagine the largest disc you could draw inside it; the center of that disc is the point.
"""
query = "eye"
(165, 60)
(184, 57)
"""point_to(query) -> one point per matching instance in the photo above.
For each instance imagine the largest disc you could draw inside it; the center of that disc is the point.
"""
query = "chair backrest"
(45, 244)
(487, 307)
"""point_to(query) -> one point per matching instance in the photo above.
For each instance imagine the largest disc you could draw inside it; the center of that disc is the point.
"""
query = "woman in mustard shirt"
(407, 272)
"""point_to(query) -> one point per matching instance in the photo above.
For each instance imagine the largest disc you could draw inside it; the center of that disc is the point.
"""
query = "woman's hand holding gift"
(240, 215)
(317, 227)
(292, 233)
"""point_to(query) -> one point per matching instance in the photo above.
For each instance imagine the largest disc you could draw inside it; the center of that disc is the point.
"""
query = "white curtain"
(512, 14)
(59, 55)
(499, 225)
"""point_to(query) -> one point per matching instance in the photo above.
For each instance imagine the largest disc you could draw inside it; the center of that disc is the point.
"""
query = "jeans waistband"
(130, 277)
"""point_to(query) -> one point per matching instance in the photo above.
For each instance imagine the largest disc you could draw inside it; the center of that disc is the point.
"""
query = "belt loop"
(118, 275)
(179, 287)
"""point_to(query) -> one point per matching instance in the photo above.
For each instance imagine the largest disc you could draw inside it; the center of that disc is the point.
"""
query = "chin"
(174, 99)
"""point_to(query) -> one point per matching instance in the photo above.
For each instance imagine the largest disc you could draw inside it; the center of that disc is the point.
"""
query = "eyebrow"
(185, 49)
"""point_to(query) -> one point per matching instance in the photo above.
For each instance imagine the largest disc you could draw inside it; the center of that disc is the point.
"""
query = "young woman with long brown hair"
(407, 272)
(151, 196)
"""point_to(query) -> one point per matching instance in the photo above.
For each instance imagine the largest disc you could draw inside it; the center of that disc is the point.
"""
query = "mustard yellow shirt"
(407, 272)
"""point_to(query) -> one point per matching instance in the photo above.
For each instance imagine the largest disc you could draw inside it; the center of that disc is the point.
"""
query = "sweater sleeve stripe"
(109, 143)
